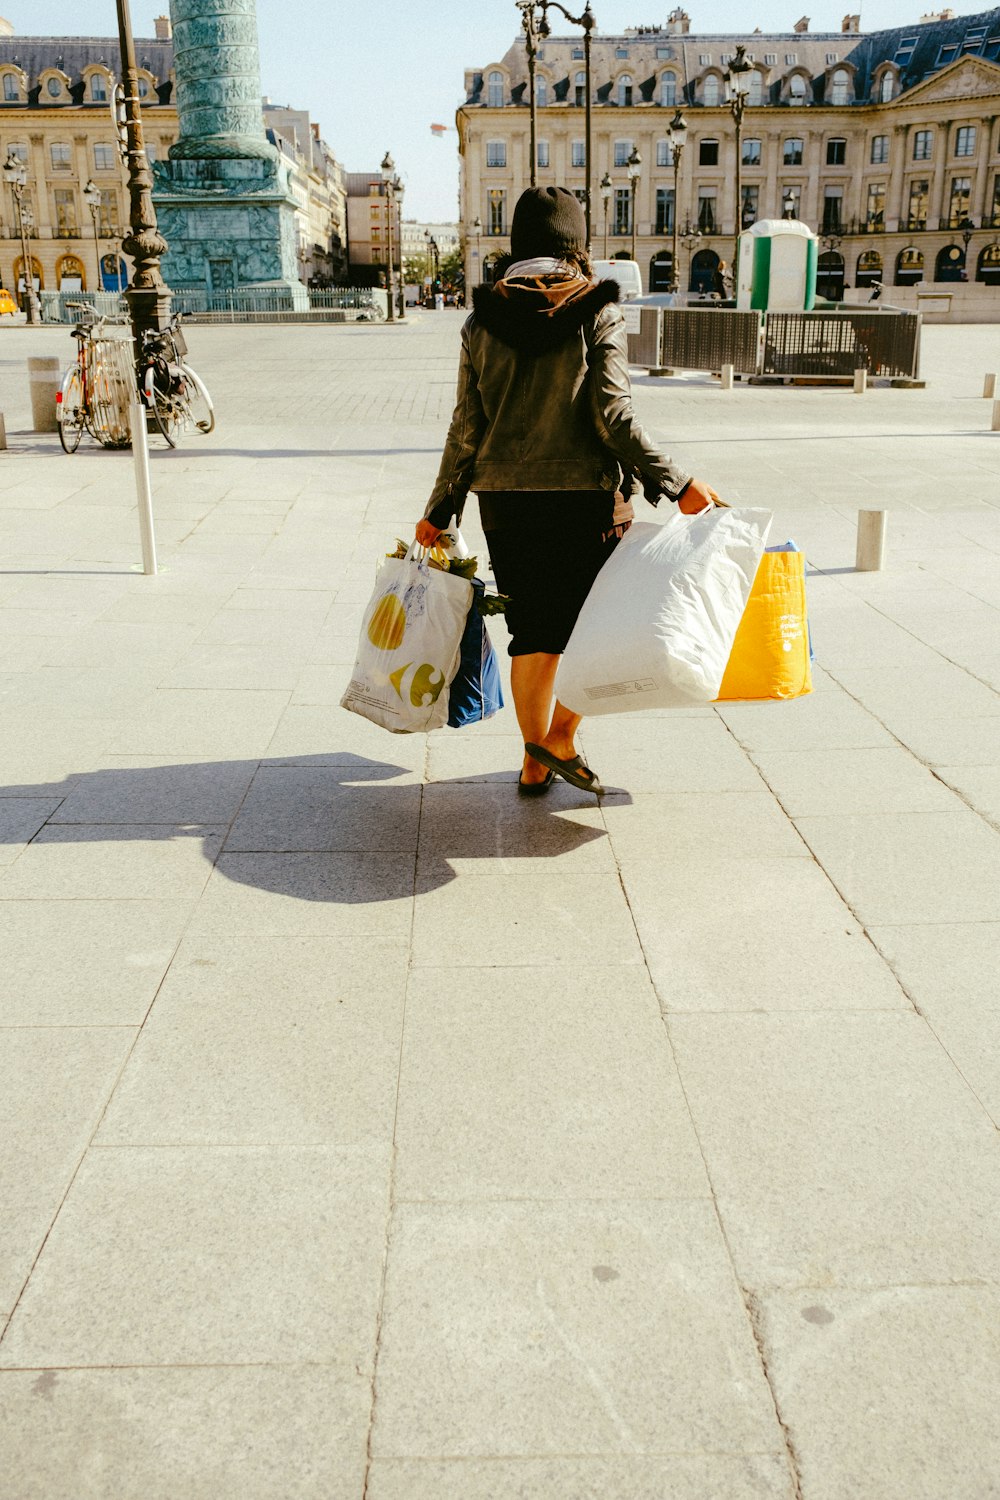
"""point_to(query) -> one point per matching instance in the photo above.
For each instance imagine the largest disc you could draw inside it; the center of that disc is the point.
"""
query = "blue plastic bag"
(475, 689)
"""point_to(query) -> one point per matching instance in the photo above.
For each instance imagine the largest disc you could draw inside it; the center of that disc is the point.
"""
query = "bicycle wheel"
(199, 403)
(167, 414)
(72, 413)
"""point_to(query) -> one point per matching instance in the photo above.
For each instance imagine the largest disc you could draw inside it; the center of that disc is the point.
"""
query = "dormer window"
(143, 87)
(668, 90)
(54, 88)
(625, 90)
(797, 89)
(11, 88)
(840, 87)
(494, 90)
(541, 91)
(755, 93)
(710, 90)
(98, 88)
(887, 88)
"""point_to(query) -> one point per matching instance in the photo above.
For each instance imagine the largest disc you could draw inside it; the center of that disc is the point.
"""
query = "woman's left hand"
(426, 534)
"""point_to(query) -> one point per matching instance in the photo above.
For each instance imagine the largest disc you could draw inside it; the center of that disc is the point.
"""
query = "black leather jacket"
(544, 401)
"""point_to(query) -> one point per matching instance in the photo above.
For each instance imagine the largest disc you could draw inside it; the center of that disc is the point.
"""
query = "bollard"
(990, 386)
(3, 432)
(995, 424)
(43, 377)
(860, 386)
(870, 557)
(727, 377)
(143, 488)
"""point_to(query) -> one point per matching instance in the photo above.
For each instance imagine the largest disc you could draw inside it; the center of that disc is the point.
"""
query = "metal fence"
(708, 338)
(838, 343)
(644, 346)
(342, 305)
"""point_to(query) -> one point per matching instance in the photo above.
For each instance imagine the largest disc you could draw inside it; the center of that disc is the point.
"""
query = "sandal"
(574, 771)
(535, 788)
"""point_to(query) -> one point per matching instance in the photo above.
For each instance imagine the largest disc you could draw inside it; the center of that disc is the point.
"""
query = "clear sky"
(377, 77)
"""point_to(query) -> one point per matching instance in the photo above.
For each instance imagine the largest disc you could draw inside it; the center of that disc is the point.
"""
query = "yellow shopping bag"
(770, 655)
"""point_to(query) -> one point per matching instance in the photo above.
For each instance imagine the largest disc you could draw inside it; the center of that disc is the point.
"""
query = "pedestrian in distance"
(545, 434)
(722, 282)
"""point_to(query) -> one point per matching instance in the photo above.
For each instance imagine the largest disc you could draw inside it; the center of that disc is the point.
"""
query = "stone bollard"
(995, 424)
(727, 377)
(870, 557)
(990, 386)
(43, 377)
(860, 386)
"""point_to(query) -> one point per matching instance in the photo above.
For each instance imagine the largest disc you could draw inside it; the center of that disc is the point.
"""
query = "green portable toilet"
(777, 270)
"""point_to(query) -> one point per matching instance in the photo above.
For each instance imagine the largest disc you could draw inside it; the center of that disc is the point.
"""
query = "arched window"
(755, 93)
(54, 86)
(580, 89)
(710, 90)
(143, 84)
(840, 85)
(869, 268)
(35, 273)
(988, 265)
(909, 266)
(950, 264)
(541, 91)
(625, 90)
(797, 89)
(668, 90)
(70, 274)
(11, 88)
(494, 90)
(98, 88)
(887, 88)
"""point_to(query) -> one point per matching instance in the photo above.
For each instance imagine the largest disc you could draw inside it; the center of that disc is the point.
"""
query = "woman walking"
(545, 433)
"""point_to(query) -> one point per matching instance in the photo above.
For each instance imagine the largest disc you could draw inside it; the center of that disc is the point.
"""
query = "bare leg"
(533, 681)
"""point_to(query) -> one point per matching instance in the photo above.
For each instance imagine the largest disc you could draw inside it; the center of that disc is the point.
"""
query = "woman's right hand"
(697, 497)
(426, 534)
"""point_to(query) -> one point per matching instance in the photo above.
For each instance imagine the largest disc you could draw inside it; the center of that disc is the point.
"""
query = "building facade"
(368, 228)
(55, 116)
(886, 144)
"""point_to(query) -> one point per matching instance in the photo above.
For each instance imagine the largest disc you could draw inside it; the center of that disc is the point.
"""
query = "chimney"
(801, 26)
(851, 24)
(164, 30)
(678, 22)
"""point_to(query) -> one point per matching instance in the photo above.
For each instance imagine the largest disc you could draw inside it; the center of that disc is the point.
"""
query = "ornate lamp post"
(691, 238)
(737, 88)
(477, 229)
(92, 198)
(389, 179)
(678, 136)
(432, 247)
(634, 169)
(537, 26)
(16, 174)
(148, 296)
(606, 200)
(967, 227)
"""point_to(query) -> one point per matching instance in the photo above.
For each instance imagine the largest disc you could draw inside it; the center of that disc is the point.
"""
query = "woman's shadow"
(337, 828)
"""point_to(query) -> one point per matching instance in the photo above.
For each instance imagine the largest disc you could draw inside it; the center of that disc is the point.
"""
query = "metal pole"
(635, 185)
(149, 296)
(528, 16)
(588, 25)
(143, 487)
(674, 276)
(738, 117)
(402, 282)
(388, 199)
(97, 252)
(605, 229)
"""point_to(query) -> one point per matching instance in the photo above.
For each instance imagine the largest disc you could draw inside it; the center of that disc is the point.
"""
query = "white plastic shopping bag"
(658, 625)
(408, 651)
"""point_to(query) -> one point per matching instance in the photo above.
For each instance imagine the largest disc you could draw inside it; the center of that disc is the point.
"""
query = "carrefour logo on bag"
(425, 684)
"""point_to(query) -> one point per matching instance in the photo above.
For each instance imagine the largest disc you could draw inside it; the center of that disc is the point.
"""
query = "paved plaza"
(368, 1134)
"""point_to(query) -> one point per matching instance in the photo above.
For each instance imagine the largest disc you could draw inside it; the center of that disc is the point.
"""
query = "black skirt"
(546, 548)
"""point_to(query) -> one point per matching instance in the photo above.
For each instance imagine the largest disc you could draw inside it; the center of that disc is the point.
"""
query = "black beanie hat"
(547, 221)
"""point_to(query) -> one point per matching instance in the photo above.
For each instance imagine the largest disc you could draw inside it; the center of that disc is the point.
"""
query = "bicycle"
(94, 393)
(175, 393)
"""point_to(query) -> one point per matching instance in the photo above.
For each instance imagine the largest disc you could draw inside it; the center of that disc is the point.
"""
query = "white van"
(625, 272)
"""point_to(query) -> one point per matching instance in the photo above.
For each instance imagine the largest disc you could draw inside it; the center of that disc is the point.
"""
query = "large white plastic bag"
(408, 651)
(658, 625)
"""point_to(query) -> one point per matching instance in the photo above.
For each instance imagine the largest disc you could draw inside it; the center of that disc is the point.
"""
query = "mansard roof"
(72, 55)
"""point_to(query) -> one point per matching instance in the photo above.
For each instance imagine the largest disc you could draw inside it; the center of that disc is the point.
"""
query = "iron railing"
(644, 346)
(881, 341)
(346, 304)
(706, 338)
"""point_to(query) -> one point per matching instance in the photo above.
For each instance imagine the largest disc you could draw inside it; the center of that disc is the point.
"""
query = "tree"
(417, 268)
(453, 268)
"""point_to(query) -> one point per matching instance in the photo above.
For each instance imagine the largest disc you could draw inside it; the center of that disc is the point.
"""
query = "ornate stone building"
(55, 116)
(887, 144)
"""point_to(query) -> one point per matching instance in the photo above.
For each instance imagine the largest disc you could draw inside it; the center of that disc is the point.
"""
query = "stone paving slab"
(472, 1146)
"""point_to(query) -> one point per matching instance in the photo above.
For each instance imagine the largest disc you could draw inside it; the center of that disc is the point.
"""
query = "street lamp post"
(678, 136)
(477, 229)
(432, 246)
(16, 174)
(967, 227)
(148, 296)
(92, 198)
(388, 174)
(634, 168)
(606, 200)
(536, 27)
(737, 88)
(690, 237)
